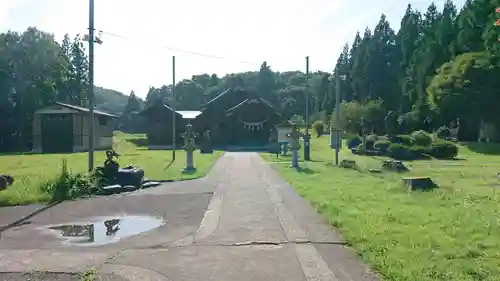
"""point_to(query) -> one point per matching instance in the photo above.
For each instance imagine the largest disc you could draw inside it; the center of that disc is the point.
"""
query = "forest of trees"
(36, 71)
(441, 65)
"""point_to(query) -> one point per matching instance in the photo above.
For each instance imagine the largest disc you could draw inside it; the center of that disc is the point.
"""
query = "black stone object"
(5, 181)
(111, 174)
(206, 146)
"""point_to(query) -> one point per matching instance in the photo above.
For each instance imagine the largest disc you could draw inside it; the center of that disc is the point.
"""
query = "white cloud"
(4, 11)
(281, 32)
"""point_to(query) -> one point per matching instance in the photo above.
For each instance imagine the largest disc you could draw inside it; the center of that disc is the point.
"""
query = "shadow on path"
(24, 219)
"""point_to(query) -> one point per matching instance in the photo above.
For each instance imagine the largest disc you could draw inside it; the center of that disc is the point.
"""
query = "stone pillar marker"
(294, 141)
(189, 147)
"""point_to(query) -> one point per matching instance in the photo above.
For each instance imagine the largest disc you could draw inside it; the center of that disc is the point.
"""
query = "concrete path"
(256, 227)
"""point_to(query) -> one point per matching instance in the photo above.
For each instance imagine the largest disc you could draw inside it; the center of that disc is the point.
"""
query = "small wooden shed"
(62, 128)
(160, 118)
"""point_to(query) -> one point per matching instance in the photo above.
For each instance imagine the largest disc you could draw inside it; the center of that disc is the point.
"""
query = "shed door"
(57, 133)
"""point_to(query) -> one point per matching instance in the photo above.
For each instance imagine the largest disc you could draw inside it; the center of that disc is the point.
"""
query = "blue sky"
(246, 32)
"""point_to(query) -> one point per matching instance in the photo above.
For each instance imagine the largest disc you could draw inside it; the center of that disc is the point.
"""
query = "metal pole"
(307, 96)
(337, 117)
(307, 142)
(91, 85)
(173, 112)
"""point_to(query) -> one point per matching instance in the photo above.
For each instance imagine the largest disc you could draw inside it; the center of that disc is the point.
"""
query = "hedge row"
(418, 145)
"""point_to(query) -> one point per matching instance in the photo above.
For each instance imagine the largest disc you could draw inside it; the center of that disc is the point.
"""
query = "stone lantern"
(189, 147)
(294, 141)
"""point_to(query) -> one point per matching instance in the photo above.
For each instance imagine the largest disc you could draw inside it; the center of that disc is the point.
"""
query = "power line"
(170, 48)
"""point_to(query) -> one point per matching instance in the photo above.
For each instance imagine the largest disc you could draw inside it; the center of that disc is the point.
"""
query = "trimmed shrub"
(370, 141)
(443, 150)
(353, 141)
(422, 138)
(419, 151)
(360, 149)
(402, 152)
(443, 132)
(402, 139)
(382, 145)
(319, 128)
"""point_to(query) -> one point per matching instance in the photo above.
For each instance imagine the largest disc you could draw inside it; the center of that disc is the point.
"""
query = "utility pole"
(337, 116)
(91, 85)
(307, 148)
(173, 110)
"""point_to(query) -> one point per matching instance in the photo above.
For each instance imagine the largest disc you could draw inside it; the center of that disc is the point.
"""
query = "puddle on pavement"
(104, 230)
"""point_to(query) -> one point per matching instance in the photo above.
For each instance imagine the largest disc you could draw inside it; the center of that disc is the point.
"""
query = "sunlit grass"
(452, 233)
(32, 170)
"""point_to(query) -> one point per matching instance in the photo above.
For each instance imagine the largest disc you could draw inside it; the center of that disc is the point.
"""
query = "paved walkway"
(256, 227)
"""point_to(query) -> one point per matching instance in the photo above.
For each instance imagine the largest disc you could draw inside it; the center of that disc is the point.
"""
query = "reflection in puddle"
(105, 230)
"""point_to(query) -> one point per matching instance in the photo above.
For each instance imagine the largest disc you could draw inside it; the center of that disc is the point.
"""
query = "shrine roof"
(217, 97)
(75, 108)
(265, 102)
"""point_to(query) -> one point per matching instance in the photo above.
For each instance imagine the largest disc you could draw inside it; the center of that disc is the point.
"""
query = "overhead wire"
(174, 49)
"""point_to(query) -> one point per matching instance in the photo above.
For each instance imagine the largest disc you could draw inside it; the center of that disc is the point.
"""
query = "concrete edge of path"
(126, 272)
(27, 261)
(211, 217)
(132, 273)
(210, 220)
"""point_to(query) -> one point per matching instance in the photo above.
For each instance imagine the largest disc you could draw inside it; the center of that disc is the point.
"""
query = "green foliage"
(403, 139)
(298, 120)
(355, 116)
(409, 122)
(36, 71)
(383, 70)
(354, 141)
(69, 186)
(116, 102)
(466, 87)
(403, 152)
(319, 127)
(360, 149)
(443, 132)
(369, 141)
(319, 116)
(422, 138)
(442, 149)
(382, 145)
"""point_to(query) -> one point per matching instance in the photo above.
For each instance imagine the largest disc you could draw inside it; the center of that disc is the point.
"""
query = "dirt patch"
(52, 276)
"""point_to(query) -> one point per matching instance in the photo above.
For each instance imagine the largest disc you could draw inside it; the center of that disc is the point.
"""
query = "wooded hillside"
(36, 71)
(441, 65)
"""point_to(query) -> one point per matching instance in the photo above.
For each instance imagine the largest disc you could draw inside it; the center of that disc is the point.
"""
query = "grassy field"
(31, 170)
(452, 233)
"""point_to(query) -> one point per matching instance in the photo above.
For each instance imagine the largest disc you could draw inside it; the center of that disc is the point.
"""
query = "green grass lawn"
(32, 170)
(452, 233)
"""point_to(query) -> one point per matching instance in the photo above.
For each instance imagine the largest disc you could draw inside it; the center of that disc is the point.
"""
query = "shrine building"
(235, 118)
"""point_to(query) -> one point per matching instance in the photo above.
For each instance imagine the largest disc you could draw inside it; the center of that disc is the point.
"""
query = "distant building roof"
(189, 114)
(184, 114)
(81, 109)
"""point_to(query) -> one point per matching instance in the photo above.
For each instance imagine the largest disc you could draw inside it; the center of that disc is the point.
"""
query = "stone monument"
(189, 147)
(294, 142)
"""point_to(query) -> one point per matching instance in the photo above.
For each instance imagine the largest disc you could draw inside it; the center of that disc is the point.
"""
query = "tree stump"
(349, 164)
(419, 183)
(394, 165)
(3, 183)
